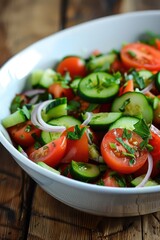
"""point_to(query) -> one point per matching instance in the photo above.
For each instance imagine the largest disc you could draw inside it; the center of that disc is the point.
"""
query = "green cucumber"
(48, 78)
(42, 164)
(125, 122)
(74, 84)
(35, 77)
(66, 121)
(55, 109)
(102, 121)
(85, 172)
(133, 104)
(14, 119)
(135, 182)
(47, 137)
(101, 62)
(157, 81)
(98, 88)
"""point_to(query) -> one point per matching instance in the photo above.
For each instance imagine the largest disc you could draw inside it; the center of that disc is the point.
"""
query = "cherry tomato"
(155, 153)
(51, 153)
(74, 65)
(23, 133)
(141, 56)
(76, 150)
(109, 180)
(117, 66)
(117, 157)
(58, 91)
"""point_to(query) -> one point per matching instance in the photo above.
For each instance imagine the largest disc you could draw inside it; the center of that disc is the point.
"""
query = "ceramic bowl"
(104, 34)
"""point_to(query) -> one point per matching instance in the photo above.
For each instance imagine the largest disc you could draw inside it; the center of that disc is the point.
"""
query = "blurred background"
(23, 22)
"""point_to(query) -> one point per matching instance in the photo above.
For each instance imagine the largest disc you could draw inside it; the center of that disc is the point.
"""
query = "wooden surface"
(26, 211)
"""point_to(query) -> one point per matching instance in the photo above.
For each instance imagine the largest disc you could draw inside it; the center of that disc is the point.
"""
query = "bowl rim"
(59, 178)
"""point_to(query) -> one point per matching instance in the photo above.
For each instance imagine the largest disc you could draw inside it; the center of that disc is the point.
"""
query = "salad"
(95, 120)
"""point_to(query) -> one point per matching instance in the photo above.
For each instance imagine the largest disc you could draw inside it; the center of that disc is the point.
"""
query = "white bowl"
(103, 34)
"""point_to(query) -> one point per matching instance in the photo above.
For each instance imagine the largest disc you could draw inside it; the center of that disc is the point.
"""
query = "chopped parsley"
(77, 133)
(125, 103)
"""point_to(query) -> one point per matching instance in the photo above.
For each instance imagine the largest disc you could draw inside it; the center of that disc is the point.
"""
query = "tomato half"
(23, 133)
(117, 157)
(109, 180)
(76, 150)
(74, 65)
(141, 56)
(58, 91)
(51, 153)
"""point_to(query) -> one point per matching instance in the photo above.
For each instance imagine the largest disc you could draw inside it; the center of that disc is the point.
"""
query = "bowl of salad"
(82, 116)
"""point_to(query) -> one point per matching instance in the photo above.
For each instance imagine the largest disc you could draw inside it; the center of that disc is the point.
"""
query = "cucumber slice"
(74, 84)
(66, 121)
(133, 104)
(55, 109)
(101, 121)
(35, 77)
(49, 77)
(14, 119)
(135, 182)
(47, 137)
(85, 172)
(157, 81)
(101, 62)
(98, 88)
(125, 122)
(42, 164)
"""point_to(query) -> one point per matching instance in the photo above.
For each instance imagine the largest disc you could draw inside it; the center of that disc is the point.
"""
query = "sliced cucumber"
(124, 122)
(157, 81)
(47, 137)
(98, 88)
(145, 74)
(135, 182)
(49, 77)
(66, 121)
(42, 164)
(14, 119)
(133, 104)
(100, 121)
(36, 77)
(101, 62)
(85, 172)
(74, 84)
(55, 109)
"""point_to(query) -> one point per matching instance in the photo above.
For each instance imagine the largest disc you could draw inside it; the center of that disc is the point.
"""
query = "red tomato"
(158, 44)
(118, 66)
(51, 153)
(116, 158)
(58, 91)
(22, 133)
(76, 150)
(141, 56)
(74, 65)
(155, 153)
(109, 180)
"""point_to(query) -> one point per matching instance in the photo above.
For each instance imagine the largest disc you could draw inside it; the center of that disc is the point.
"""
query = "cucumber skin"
(146, 110)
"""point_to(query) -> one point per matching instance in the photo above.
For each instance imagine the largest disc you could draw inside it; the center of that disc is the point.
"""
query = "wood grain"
(26, 211)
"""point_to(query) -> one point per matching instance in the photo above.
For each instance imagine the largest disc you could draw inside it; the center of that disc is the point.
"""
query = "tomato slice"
(141, 56)
(58, 91)
(117, 156)
(76, 150)
(23, 133)
(74, 65)
(51, 153)
(109, 180)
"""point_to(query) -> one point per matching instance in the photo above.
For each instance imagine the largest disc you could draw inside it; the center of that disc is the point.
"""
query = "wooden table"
(26, 211)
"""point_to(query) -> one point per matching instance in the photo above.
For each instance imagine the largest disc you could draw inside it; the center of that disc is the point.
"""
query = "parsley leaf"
(125, 103)
(126, 146)
(26, 112)
(77, 134)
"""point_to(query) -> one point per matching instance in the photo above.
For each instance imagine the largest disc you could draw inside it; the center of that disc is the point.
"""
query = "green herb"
(126, 102)
(150, 38)
(126, 146)
(128, 154)
(100, 182)
(26, 112)
(28, 128)
(126, 134)
(142, 129)
(91, 107)
(77, 134)
(73, 105)
(131, 53)
(112, 145)
(119, 179)
(137, 78)
(132, 161)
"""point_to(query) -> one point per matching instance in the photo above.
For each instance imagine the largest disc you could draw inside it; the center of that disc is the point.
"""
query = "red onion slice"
(32, 92)
(148, 88)
(149, 171)
(88, 119)
(155, 130)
